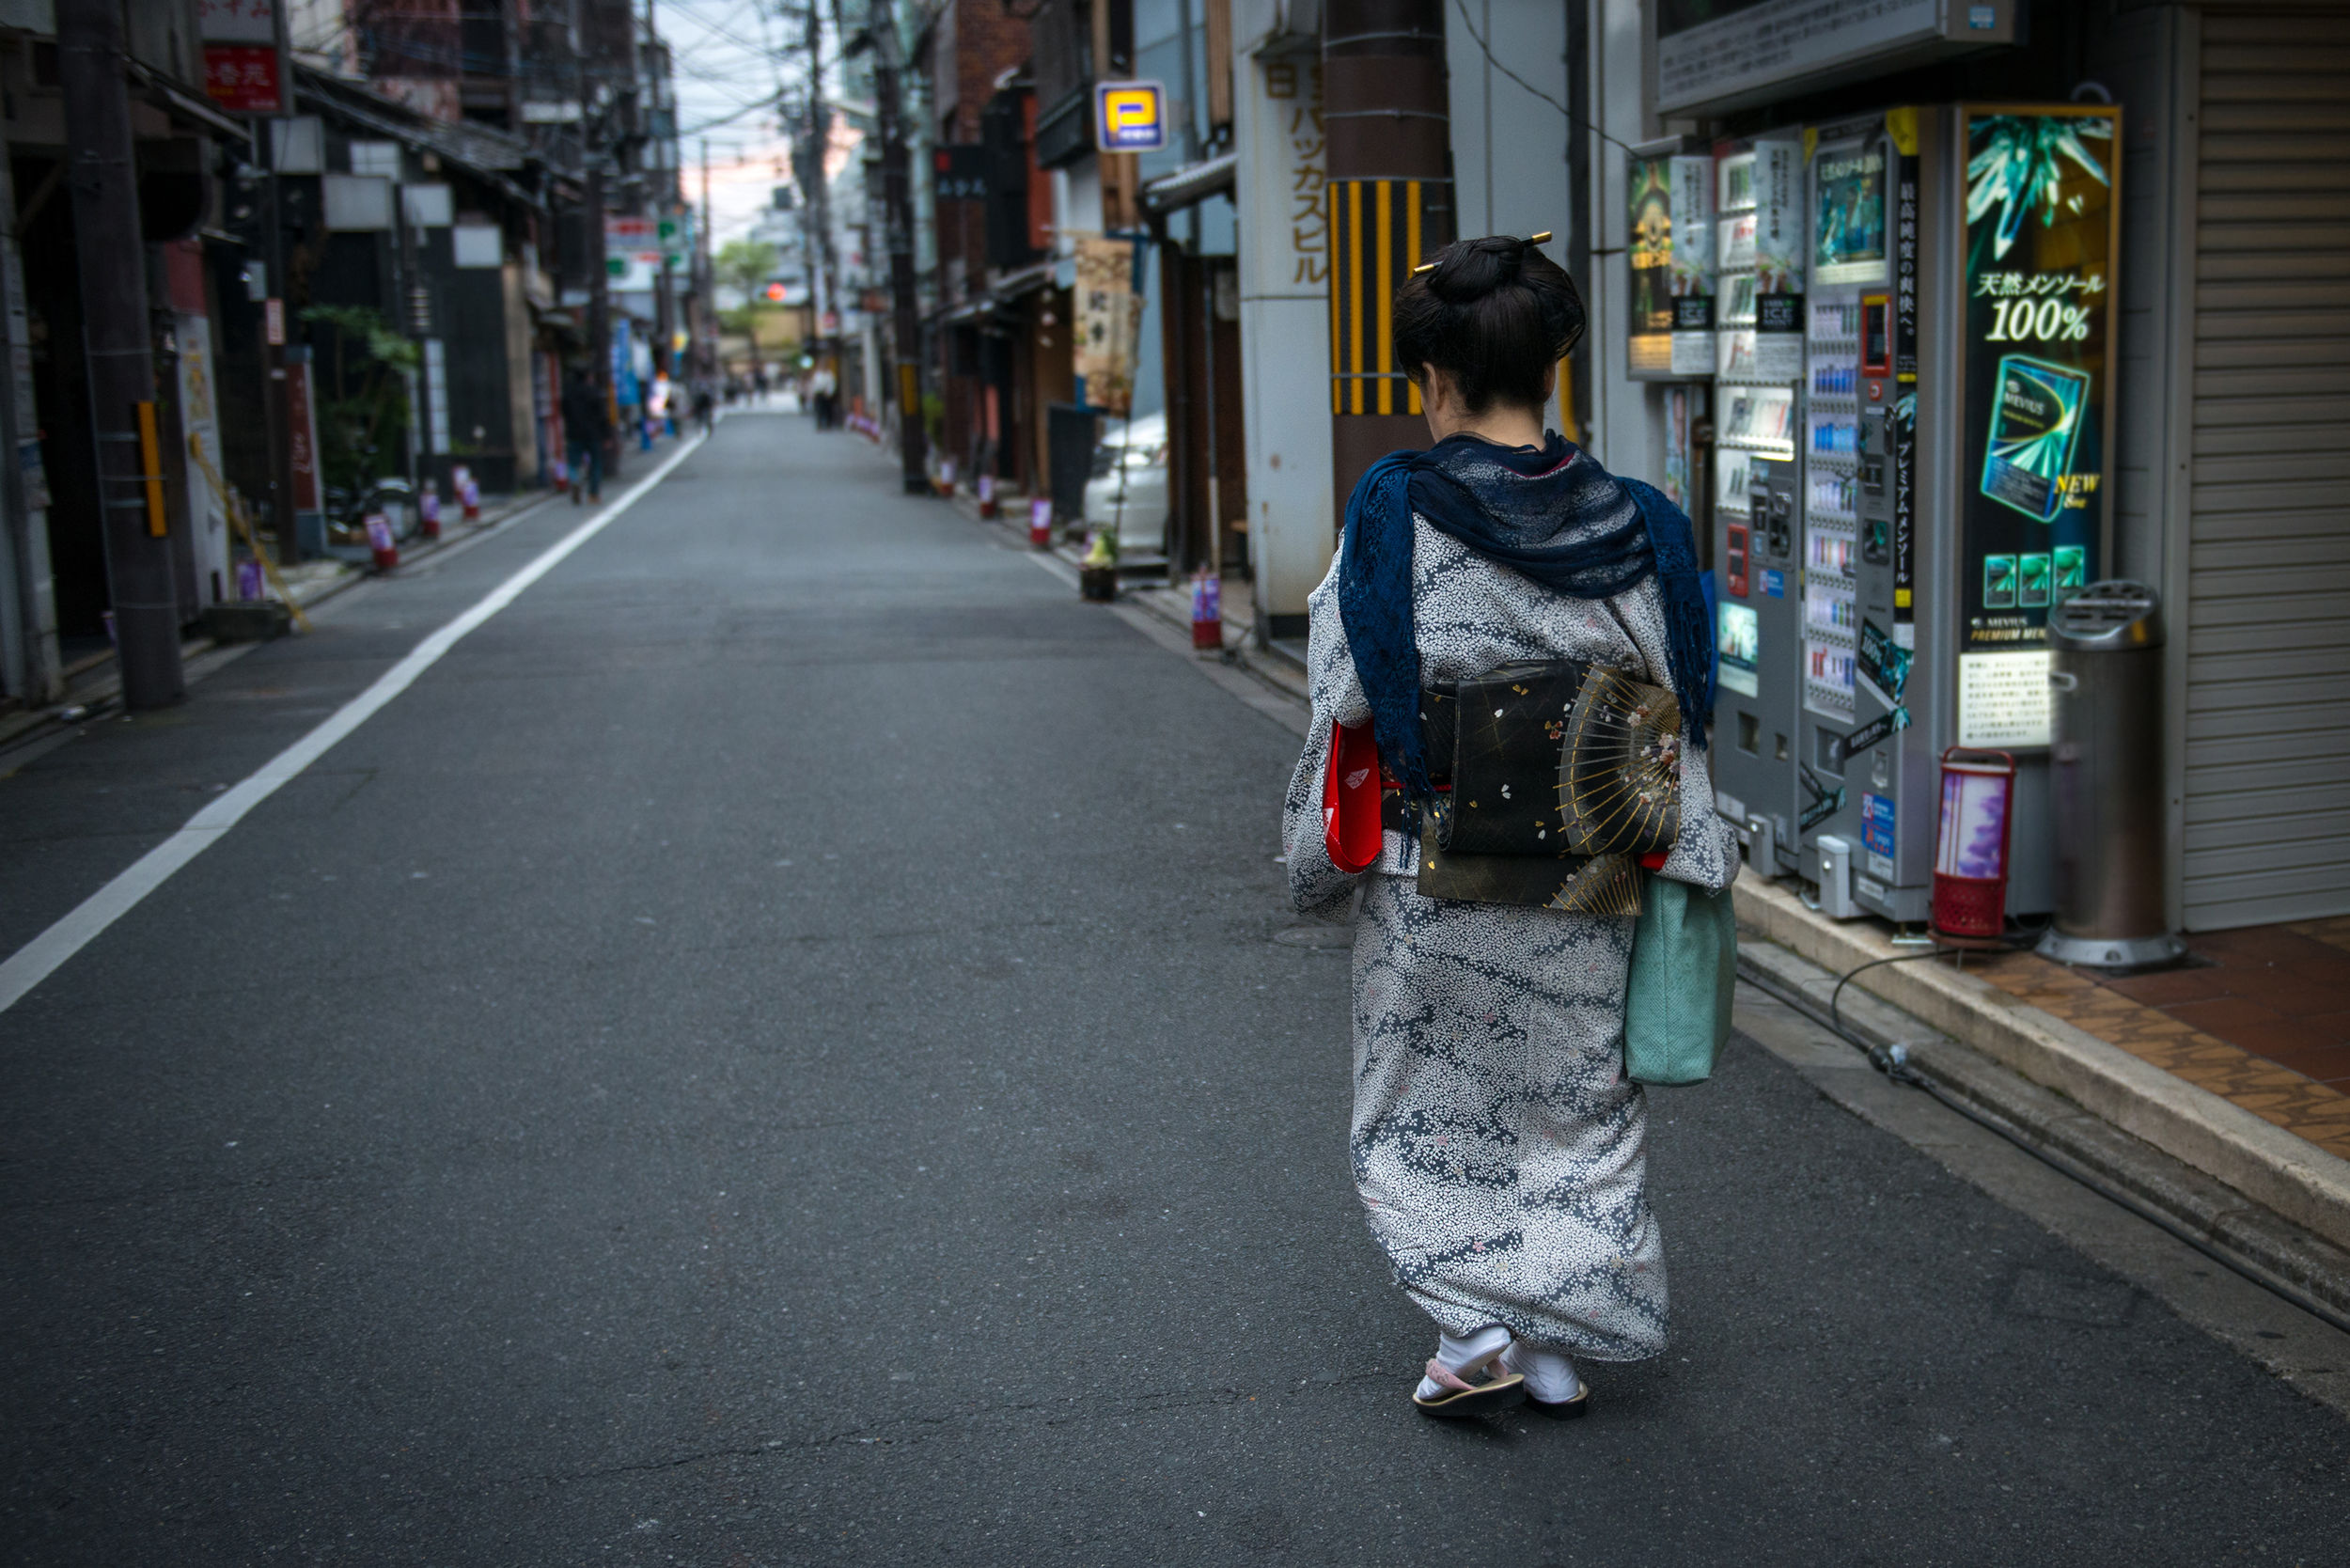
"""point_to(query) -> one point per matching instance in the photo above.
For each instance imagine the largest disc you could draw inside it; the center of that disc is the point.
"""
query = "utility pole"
(897, 219)
(705, 283)
(115, 339)
(598, 272)
(664, 203)
(816, 181)
(409, 280)
(1389, 182)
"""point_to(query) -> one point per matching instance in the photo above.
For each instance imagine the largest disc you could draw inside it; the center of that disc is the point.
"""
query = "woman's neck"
(1504, 424)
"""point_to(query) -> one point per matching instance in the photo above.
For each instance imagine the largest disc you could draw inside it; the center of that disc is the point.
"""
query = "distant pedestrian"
(660, 405)
(1498, 1146)
(705, 406)
(587, 425)
(824, 392)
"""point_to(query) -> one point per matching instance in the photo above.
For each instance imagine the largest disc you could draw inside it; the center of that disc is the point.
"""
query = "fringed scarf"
(1552, 514)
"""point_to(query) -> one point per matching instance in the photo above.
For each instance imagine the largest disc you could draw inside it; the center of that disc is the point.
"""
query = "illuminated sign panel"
(1129, 117)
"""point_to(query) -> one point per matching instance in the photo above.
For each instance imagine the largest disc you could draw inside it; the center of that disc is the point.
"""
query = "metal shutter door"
(2267, 785)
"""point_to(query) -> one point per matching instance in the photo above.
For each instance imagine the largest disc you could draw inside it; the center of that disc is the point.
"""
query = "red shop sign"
(243, 77)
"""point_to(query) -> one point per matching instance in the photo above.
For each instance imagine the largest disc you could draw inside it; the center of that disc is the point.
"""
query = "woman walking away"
(586, 428)
(1496, 599)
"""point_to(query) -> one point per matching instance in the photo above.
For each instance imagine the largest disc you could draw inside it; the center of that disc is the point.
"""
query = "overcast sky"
(726, 77)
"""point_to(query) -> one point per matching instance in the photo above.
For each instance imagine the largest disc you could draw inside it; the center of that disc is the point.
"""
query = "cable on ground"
(1894, 1061)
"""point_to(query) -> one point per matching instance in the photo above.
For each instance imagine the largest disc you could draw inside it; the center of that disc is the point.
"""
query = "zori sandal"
(1552, 1387)
(1562, 1410)
(1459, 1399)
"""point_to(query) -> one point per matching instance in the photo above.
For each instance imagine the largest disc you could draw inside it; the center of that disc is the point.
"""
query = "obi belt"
(1563, 779)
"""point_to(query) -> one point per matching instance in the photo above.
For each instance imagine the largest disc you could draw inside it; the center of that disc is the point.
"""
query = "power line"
(1494, 61)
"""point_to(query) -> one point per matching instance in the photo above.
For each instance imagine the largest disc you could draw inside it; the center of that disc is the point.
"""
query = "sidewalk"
(2262, 1019)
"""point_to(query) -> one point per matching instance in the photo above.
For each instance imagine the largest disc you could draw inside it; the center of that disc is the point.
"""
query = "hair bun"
(1475, 268)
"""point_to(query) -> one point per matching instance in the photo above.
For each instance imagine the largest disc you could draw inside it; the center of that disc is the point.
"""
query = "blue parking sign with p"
(1129, 117)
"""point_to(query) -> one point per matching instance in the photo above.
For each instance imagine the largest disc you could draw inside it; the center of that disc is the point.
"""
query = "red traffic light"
(775, 292)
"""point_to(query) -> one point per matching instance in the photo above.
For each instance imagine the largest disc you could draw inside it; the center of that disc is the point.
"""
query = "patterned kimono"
(1497, 1144)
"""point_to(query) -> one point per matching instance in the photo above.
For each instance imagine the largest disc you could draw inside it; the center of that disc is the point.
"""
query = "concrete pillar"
(1284, 325)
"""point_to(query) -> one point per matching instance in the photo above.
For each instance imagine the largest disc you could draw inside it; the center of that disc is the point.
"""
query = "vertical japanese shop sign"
(1109, 318)
(1778, 256)
(303, 435)
(241, 67)
(2041, 218)
(1289, 184)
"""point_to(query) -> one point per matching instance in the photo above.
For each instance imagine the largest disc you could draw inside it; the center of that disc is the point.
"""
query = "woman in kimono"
(1496, 1143)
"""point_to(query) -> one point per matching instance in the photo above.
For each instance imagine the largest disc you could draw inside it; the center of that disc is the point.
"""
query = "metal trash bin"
(2105, 778)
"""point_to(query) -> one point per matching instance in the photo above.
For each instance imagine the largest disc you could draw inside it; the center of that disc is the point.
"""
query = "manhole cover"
(1321, 938)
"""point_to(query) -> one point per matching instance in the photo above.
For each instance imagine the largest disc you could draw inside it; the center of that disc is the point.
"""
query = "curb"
(2197, 1202)
(2294, 1181)
(103, 682)
(1275, 670)
(489, 522)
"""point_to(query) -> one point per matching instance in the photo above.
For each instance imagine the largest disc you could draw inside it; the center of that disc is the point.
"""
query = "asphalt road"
(773, 1051)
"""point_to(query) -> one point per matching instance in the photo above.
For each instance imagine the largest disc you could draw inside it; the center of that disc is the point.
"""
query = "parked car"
(1128, 489)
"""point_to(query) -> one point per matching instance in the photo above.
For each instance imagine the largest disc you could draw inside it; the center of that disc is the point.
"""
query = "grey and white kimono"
(1498, 1146)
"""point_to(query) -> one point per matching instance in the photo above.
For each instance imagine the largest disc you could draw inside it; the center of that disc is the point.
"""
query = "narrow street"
(775, 1050)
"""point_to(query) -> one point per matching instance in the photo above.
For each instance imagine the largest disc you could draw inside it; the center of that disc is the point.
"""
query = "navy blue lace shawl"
(1552, 513)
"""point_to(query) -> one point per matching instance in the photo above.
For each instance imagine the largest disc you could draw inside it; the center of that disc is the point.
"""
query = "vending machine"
(1757, 371)
(1924, 467)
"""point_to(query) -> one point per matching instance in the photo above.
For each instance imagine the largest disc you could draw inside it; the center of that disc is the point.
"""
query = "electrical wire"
(1894, 1061)
(1836, 1020)
(1494, 60)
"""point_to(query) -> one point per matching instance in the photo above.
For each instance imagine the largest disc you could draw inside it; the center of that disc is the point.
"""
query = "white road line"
(40, 958)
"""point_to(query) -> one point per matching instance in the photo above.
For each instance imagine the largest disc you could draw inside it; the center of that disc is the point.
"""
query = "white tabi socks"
(1455, 1355)
(1549, 1376)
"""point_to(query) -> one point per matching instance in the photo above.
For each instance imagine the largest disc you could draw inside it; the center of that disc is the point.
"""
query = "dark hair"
(1495, 314)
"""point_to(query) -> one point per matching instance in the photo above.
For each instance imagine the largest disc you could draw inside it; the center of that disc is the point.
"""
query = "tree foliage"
(362, 407)
(744, 264)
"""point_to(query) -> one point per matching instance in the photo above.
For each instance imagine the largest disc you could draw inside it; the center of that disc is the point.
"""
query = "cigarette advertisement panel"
(2041, 219)
(1671, 258)
(2041, 224)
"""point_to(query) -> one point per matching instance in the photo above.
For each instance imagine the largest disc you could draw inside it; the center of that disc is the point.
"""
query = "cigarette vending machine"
(1758, 369)
(1939, 486)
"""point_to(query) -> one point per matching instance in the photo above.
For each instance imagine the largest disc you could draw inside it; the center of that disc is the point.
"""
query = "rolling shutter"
(2268, 782)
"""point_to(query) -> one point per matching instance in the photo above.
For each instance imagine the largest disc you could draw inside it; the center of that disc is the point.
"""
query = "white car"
(1128, 489)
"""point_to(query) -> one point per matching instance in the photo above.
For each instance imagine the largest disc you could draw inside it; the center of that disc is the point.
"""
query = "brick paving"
(2262, 1018)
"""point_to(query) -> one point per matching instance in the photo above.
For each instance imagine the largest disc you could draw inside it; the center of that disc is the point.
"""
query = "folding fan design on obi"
(1563, 773)
(1620, 771)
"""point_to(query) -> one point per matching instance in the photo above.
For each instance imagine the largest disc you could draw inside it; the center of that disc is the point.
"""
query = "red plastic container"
(380, 541)
(1970, 852)
(1207, 610)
